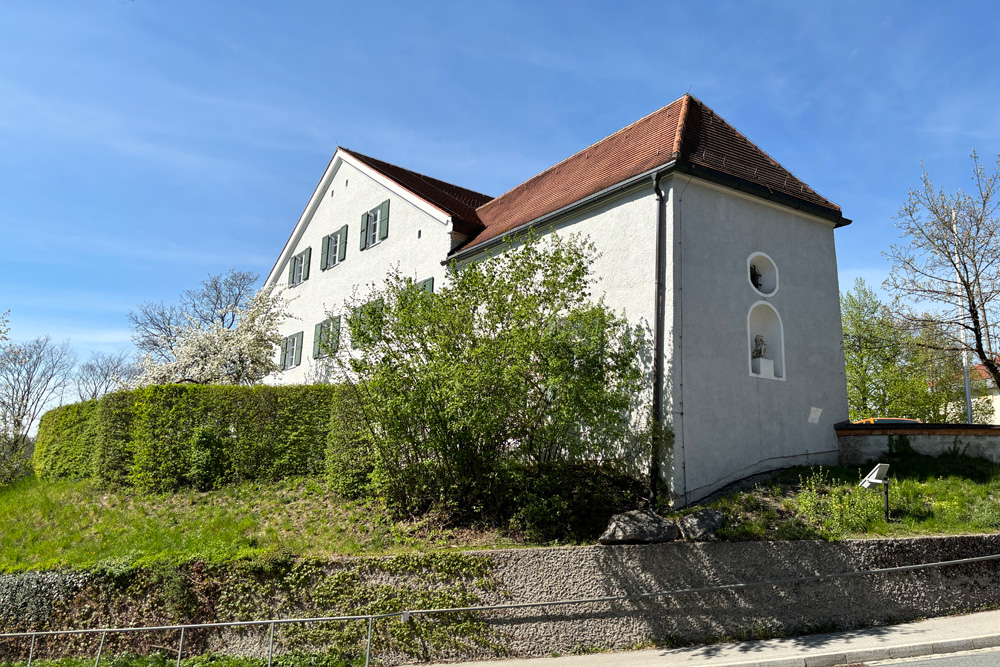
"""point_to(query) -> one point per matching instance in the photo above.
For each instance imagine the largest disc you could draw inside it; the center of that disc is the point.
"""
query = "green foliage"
(163, 438)
(64, 446)
(350, 453)
(894, 372)
(899, 444)
(564, 501)
(509, 362)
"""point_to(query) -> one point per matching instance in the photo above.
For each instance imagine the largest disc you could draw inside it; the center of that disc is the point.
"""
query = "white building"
(705, 240)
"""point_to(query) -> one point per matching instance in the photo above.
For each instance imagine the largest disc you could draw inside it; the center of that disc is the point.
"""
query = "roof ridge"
(681, 122)
(581, 151)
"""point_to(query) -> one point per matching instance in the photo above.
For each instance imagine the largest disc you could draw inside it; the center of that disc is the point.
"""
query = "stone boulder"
(639, 527)
(702, 525)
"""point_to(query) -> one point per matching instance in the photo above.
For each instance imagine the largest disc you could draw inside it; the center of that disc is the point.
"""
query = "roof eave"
(764, 192)
(471, 248)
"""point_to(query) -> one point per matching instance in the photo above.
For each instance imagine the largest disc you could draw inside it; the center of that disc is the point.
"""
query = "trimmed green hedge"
(65, 440)
(165, 437)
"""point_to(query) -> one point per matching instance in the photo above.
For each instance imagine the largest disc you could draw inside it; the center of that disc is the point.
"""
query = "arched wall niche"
(762, 274)
(763, 321)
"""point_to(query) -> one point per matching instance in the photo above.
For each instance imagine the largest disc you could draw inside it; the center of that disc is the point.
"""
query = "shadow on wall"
(767, 611)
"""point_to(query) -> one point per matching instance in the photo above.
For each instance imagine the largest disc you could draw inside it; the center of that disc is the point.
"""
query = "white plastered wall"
(734, 424)
(355, 191)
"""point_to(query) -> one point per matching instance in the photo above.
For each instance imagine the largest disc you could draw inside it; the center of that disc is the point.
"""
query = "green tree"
(879, 382)
(893, 371)
(510, 363)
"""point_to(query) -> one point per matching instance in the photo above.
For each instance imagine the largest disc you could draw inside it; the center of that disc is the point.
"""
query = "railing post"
(368, 644)
(270, 645)
(31, 651)
(180, 647)
(100, 648)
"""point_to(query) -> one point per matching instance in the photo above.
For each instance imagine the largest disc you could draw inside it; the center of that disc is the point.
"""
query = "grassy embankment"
(52, 524)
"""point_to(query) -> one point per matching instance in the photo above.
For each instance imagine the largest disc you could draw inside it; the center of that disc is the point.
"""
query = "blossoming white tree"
(217, 352)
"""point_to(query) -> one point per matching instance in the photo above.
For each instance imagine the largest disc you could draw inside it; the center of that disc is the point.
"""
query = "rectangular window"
(327, 339)
(334, 248)
(375, 225)
(291, 351)
(426, 285)
(298, 267)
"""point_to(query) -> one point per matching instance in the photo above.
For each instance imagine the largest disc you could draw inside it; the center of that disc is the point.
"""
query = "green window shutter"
(317, 341)
(298, 348)
(324, 253)
(383, 225)
(364, 230)
(286, 353)
(291, 271)
(281, 354)
(342, 247)
(305, 263)
(427, 285)
(335, 334)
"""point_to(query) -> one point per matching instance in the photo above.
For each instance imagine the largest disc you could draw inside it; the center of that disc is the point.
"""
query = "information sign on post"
(879, 475)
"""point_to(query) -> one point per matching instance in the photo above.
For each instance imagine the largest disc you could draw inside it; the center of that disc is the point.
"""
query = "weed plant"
(950, 494)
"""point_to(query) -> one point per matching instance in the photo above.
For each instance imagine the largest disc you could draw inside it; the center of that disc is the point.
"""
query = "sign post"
(879, 475)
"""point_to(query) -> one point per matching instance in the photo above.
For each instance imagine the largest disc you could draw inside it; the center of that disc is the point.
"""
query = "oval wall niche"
(762, 274)
(765, 342)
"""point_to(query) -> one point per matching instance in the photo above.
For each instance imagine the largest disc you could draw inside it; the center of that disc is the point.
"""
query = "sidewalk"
(933, 636)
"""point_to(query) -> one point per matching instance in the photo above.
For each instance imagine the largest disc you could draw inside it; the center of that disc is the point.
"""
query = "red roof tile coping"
(458, 202)
(685, 130)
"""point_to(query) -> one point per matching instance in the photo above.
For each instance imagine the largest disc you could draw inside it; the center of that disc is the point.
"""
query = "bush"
(509, 361)
(163, 438)
(65, 443)
(350, 453)
(568, 501)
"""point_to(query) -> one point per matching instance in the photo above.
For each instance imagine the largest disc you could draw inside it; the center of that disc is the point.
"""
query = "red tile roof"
(458, 202)
(685, 130)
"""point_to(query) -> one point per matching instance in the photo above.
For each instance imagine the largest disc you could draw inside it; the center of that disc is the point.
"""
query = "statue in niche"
(759, 348)
(755, 277)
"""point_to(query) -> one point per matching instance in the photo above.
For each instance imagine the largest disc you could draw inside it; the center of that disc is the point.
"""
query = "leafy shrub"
(65, 443)
(350, 453)
(567, 501)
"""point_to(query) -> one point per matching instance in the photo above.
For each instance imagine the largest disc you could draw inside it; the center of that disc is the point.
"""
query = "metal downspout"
(657, 409)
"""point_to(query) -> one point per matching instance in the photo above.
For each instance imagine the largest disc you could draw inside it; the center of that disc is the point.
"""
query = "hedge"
(65, 440)
(162, 438)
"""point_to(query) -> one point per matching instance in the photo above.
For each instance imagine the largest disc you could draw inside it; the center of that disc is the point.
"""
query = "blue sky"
(146, 144)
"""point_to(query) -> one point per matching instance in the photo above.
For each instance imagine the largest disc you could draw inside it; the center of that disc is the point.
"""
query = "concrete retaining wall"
(862, 443)
(533, 575)
(550, 574)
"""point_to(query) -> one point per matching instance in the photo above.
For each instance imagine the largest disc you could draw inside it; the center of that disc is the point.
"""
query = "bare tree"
(32, 376)
(156, 326)
(104, 372)
(948, 271)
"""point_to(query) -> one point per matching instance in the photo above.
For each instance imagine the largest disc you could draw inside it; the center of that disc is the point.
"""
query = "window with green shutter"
(426, 285)
(327, 338)
(375, 225)
(298, 267)
(334, 249)
(291, 351)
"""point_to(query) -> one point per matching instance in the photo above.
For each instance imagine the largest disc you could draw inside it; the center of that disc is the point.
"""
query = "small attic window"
(762, 274)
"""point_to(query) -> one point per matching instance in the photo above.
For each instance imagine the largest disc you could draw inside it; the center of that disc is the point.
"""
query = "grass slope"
(72, 523)
(946, 495)
(56, 524)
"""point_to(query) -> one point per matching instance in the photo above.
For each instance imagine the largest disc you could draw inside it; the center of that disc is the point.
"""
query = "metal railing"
(405, 616)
